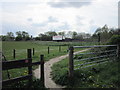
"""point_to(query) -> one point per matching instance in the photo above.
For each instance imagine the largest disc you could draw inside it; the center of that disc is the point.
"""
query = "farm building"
(58, 38)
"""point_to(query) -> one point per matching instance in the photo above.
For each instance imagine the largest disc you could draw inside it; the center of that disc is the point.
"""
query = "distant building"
(58, 38)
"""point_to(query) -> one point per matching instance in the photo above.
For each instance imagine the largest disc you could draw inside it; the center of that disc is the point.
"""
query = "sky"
(39, 16)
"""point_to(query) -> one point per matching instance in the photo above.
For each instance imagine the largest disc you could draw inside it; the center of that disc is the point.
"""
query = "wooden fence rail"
(6, 65)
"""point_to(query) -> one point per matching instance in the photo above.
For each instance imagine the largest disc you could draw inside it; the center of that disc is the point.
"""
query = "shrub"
(115, 39)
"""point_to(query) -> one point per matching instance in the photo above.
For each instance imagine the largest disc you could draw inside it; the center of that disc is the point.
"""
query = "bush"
(18, 38)
(115, 39)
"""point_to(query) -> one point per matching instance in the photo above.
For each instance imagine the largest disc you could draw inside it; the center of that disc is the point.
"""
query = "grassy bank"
(105, 75)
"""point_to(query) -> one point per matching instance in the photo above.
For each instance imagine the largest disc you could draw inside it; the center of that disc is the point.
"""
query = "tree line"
(101, 34)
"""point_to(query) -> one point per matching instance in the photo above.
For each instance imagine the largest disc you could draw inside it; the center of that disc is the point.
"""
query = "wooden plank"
(6, 65)
(9, 81)
(36, 63)
(95, 46)
(15, 64)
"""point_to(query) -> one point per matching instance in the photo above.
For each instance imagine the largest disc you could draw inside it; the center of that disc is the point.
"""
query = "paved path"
(49, 83)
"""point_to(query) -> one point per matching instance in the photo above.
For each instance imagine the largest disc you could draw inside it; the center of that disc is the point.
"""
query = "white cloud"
(41, 17)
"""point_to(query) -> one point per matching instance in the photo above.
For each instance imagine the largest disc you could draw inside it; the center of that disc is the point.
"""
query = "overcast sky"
(37, 17)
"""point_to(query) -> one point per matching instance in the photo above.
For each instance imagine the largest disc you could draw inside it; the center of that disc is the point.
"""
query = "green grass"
(21, 53)
(105, 76)
(21, 50)
(40, 48)
(36, 84)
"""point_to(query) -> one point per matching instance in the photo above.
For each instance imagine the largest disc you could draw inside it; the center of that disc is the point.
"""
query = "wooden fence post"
(99, 38)
(59, 48)
(42, 69)
(71, 65)
(118, 51)
(29, 56)
(33, 51)
(48, 50)
(14, 53)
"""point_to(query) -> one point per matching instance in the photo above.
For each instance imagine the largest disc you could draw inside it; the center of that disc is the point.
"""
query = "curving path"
(49, 83)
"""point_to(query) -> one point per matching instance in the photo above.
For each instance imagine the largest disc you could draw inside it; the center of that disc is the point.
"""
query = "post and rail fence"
(14, 53)
(72, 61)
(7, 65)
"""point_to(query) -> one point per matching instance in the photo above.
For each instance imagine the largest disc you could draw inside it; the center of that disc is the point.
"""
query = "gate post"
(29, 56)
(42, 70)
(71, 65)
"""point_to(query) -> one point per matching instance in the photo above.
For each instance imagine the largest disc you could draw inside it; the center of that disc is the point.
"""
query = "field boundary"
(6, 65)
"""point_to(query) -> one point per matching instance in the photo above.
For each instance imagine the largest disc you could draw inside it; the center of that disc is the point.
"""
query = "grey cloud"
(68, 4)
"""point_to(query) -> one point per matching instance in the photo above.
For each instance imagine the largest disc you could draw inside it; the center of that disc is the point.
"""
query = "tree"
(10, 36)
(79, 36)
(74, 34)
(25, 36)
(115, 39)
(61, 33)
(3, 38)
(19, 36)
(44, 37)
(51, 33)
(103, 34)
(22, 35)
(19, 33)
(69, 34)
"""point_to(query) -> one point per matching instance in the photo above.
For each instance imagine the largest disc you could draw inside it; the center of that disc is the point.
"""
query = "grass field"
(60, 70)
(41, 47)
